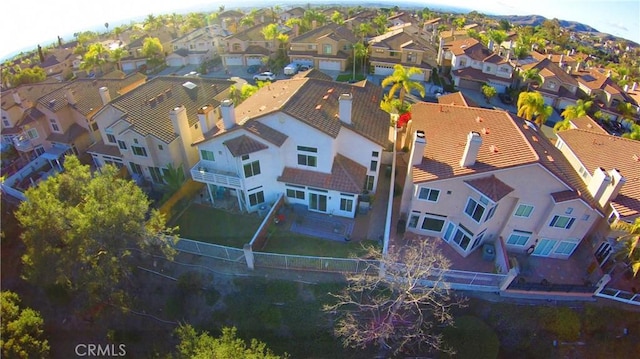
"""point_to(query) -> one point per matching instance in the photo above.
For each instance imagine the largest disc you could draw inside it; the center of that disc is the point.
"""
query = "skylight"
(190, 85)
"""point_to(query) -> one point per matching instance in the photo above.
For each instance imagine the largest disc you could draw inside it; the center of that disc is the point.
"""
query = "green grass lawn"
(206, 224)
(348, 77)
(287, 242)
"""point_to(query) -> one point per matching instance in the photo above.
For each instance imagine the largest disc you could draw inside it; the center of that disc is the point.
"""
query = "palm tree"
(629, 249)
(117, 55)
(530, 75)
(401, 82)
(531, 106)
(626, 110)
(571, 112)
(360, 52)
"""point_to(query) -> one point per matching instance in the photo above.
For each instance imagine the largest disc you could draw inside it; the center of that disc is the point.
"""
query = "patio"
(320, 225)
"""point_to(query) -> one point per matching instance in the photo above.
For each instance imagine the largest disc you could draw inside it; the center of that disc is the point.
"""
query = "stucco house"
(404, 45)
(607, 94)
(194, 48)
(153, 126)
(318, 142)
(326, 48)
(479, 176)
(473, 65)
(247, 47)
(558, 88)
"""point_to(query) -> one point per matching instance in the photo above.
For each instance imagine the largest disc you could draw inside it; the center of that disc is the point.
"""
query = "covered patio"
(55, 156)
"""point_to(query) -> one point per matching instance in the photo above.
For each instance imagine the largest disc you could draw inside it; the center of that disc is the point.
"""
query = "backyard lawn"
(206, 224)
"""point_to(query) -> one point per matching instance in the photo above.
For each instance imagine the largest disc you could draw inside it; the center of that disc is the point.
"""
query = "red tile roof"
(346, 176)
(564, 196)
(588, 124)
(491, 187)
(243, 145)
(101, 148)
(457, 98)
(73, 132)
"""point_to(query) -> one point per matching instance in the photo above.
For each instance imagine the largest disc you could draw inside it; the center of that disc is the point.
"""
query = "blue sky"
(64, 17)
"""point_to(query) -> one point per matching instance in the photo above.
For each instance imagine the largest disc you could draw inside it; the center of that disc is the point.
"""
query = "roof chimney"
(578, 66)
(609, 73)
(71, 99)
(345, 107)
(626, 88)
(470, 154)
(105, 95)
(206, 118)
(599, 182)
(16, 98)
(634, 86)
(490, 44)
(561, 59)
(419, 144)
(228, 114)
(611, 191)
(180, 123)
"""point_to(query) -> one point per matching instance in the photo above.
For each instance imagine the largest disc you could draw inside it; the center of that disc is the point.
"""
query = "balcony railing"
(205, 173)
(22, 143)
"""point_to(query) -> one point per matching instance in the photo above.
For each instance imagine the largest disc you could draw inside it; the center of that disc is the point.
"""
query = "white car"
(265, 76)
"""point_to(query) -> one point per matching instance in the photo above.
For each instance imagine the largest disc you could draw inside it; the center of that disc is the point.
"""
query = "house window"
(429, 194)
(207, 155)
(32, 133)
(569, 210)
(160, 147)
(433, 222)
(6, 123)
(54, 125)
(410, 57)
(236, 47)
(561, 222)
(393, 54)
(156, 175)
(487, 68)
(39, 150)
(373, 166)
(251, 169)
(413, 220)
(504, 69)
(523, 210)
(122, 145)
(585, 217)
(566, 248)
(368, 184)
(491, 212)
(244, 157)
(135, 140)
(458, 234)
(474, 209)
(375, 154)
(346, 204)
(139, 151)
(135, 168)
(111, 138)
(519, 238)
(307, 156)
(256, 198)
(463, 62)
(327, 49)
(295, 192)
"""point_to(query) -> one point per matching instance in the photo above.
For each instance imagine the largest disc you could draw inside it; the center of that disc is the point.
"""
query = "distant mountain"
(535, 20)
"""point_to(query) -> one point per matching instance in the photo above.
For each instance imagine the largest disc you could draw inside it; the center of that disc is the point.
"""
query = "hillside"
(535, 20)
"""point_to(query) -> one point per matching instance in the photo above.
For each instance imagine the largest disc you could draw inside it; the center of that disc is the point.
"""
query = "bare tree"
(398, 303)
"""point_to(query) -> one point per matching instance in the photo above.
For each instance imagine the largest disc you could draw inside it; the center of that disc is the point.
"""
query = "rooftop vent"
(318, 107)
(493, 149)
(52, 103)
(325, 97)
(330, 90)
(485, 130)
(190, 85)
(479, 119)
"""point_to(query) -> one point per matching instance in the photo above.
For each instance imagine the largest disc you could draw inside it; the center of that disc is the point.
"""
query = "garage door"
(175, 62)
(128, 66)
(383, 70)
(254, 61)
(302, 61)
(501, 88)
(329, 65)
(233, 60)
(471, 85)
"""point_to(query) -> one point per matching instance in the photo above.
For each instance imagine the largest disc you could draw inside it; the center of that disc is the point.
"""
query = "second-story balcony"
(205, 173)
(22, 143)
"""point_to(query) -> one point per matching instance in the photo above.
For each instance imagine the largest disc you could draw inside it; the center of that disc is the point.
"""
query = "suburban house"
(248, 47)
(318, 142)
(597, 82)
(473, 65)
(558, 88)
(293, 13)
(565, 61)
(479, 176)
(59, 63)
(229, 20)
(326, 48)
(134, 59)
(152, 127)
(404, 45)
(194, 48)
(401, 18)
(61, 118)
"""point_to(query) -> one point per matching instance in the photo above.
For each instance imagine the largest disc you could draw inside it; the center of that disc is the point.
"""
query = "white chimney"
(16, 98)
(419, 144)
(71, 98)
(105, 95)
(470, 154)
(228, 114)
(206, 118)
(599, 182)
(609, 73)
(611, 191)
(180, 122)
(490, 44)
(314, 24)
(634, 86)
(345, 107)
(573, 51)
(561, 59)
(626, 88)
(578, 66)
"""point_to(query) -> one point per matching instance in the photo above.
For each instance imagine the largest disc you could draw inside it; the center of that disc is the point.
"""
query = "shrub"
(563, 322)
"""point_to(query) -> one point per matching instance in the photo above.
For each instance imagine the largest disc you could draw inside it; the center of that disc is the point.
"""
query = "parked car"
(506, 98)
(291, 69)
(265, 76)
(305, 67)
(253, 69)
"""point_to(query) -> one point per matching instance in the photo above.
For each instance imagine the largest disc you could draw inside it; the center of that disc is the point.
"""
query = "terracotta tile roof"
(457, 98)
(588, 124)
(336, 31)
(28, 92)
(470, 73)
(346, 176)
(547, 68)
(596, 79)
(595, 149)
(475, 50)
(73, 132)
(243, 145)
(491, 187)
(263, 131)
(30, 115)
(313, 74)
(147, 107)
(563, 196)
(555, 58)
(101, 148)
(253, 33)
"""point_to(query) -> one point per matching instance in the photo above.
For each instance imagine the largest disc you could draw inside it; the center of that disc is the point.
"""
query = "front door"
(544, 247)
(317, 202)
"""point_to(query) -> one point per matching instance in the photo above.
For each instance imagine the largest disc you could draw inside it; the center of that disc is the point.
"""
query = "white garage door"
(129, 66)
(329, 65)
(302, 61)
(254, 61)
(500, 88)
(563, 104)
(175, 61)
(233, 60)
(383, 70)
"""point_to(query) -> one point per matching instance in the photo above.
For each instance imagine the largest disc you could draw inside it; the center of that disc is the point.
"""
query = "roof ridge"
(339, 160)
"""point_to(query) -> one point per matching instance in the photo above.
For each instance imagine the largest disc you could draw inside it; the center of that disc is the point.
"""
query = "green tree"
(628, 249)
(531, 106)
(401, 82)
(337, 18)
(572, 112)
(194, 345)
(396, 310)
(152, 50)
(504, 24)
(634, 134)
(530, 75)
(459, 22)
(489, 92)
(361, 53)
(21, 332)
(78, 228)
(626, 109)
(117, 55)
(29, 76)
